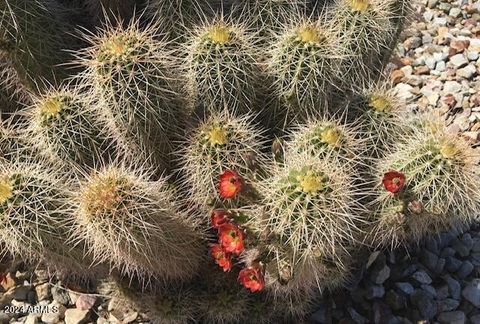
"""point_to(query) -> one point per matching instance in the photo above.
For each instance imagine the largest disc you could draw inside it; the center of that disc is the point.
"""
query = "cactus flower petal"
(222, 257)
(252, 278)
(232, 238)
(219, 217)
(393, 181)
(231, 184)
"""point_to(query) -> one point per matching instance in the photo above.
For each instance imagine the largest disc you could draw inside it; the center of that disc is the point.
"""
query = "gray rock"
(381, 275)
(422, 277)
(467, 240)
(442, 292)
(53, 317)
(462, 249)
(472, 292)
(456, 317)
(472, 55)
(447, 305)
(359, 319)
(467, 72)
(425, 304)
(76, 316)
(429, 259)
(475, 319)
(453, 287)
(446, 252)
(432, 3)
(429, 289)
(440, 66)
(320, 316)
(465, 270)
(476, 245)
(374, 291)
(452, 87)
(455, 12)
(32, 319)
(60, 295)
(430, 62)
(20, 293)
(395, 300)
(440, 266)
(405, 287)
(452, 264)
(43, 291)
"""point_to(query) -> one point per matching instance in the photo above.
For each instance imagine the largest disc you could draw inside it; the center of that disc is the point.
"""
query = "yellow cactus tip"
(217, 136)
(219, 34)
(448, 150)
(310, 35)
(6, 190)
(311, 183)
(331, 136)
(380, 103)
(360, 5)
(116, 47)
(51, 107)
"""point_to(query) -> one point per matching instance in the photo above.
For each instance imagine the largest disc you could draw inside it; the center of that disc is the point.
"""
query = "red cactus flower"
(232, 238)
(3, 277)
(252, 278)
(222, 257)
(394, 181)
(219, 218)
(231, 184)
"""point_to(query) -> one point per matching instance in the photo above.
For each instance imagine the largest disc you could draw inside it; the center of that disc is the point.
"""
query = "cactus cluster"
(214, 161)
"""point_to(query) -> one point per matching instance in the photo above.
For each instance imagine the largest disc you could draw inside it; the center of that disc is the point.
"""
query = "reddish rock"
(397, 76)
(450, 100)
(459, 45)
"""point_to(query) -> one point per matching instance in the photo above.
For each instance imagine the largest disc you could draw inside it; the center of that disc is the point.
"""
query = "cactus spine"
(130, 70)
(368, 29)
(63, 127)
(223, 73)
(303, 63)
(222, 142)
(131, 222)
(441, 185)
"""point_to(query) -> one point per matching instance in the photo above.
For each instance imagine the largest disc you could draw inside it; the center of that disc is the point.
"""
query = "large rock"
(472, 292)
(76, 316)
(456, 317)
(43, 291)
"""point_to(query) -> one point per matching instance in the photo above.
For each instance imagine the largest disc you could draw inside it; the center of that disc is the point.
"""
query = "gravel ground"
(436, 67)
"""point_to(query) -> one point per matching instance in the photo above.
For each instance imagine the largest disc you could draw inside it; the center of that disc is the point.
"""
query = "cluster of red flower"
(231, 238)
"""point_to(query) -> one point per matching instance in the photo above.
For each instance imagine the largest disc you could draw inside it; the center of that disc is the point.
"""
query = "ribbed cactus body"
(383, 117)
(133, 224)
(304, 62)
(36, 217)
(268, 16)
(64, 127)
(32, 39)
(223, 72)
(220, 143)
(368, 29)
(441, 184)
(311, 210)
(129, 69)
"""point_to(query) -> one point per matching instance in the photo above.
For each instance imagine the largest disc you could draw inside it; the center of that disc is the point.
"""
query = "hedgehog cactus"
(130, 70)
(220, 143)
(437, 184)
(303, 63)
(62, 126)
(327, 139)
(223, 73)
(32, 40)
(132, 223)
(36, 216)
(311, 208)
(368, 27)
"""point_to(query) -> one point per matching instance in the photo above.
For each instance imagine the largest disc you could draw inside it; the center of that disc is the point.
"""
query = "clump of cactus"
(223, 71)
(150, 155)
(133, 224)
